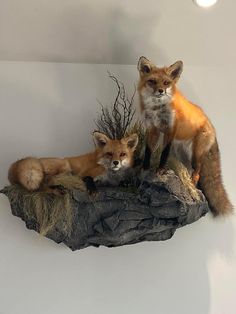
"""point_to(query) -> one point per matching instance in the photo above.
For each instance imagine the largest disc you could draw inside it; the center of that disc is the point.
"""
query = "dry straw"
(48, 210)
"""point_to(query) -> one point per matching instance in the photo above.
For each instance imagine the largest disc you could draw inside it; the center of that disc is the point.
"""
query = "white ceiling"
(117, 31)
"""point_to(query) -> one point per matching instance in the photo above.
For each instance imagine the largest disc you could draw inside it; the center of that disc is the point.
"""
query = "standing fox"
(167, 111)
(109, 156)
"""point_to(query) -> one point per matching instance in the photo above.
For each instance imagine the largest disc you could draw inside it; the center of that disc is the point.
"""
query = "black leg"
(165, 155)
(137, 162)
(90, 184)
(147, 157)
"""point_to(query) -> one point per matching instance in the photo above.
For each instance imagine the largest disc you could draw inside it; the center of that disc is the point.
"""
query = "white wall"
(111, 31)
(48, 109)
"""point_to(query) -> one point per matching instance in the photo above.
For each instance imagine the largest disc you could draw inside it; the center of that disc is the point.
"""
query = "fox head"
(115, 154)
(158, 82)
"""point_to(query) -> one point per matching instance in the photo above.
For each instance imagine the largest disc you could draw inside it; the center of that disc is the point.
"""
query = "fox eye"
(109, 154)
(122, 154)
(152, 82)
(166, 83)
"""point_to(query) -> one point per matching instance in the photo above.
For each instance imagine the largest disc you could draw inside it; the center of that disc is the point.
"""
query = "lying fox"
(167, 111)
(109, 156)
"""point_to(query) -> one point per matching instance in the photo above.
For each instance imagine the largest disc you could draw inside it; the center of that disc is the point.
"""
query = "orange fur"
(167, 111)
(33, 172)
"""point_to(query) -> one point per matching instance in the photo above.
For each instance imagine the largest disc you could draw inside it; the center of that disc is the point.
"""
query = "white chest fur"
(158, 112)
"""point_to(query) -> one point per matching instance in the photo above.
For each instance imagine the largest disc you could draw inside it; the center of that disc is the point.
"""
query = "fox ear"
(175, 70)
(131, 141)
(100, 139)
(144, 65)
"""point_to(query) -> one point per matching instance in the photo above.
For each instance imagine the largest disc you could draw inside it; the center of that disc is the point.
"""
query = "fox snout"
(158, 88)
(119, 164)
(116, 165)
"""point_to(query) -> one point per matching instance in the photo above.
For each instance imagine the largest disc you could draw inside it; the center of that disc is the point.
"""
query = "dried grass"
(48, 211)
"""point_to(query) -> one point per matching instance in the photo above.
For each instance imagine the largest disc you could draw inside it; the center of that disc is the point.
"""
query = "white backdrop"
(47, 109)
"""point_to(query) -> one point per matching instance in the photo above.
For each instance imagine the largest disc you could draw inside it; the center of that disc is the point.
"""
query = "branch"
(115, 121)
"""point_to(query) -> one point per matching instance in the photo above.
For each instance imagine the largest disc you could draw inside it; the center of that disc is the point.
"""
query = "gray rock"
(125, 215)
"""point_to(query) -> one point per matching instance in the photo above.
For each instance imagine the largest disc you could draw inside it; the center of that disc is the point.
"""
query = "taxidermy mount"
(166, 110)
(125, 204)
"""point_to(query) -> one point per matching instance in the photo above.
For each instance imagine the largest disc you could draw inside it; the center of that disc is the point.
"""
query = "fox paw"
(90, 185)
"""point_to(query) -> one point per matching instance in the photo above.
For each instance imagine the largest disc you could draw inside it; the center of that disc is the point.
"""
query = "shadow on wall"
(182, 274)
(116, 39)
(128, 30)
(169, 277)
(163, 277)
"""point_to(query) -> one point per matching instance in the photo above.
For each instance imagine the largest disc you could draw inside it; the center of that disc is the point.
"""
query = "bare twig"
(115, 122)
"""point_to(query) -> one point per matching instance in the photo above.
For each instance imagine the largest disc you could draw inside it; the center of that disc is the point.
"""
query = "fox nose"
(115, 162)
(161, 91)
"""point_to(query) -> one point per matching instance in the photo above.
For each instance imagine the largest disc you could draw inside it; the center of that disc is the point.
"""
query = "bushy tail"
(28, 172)
(211, 183)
